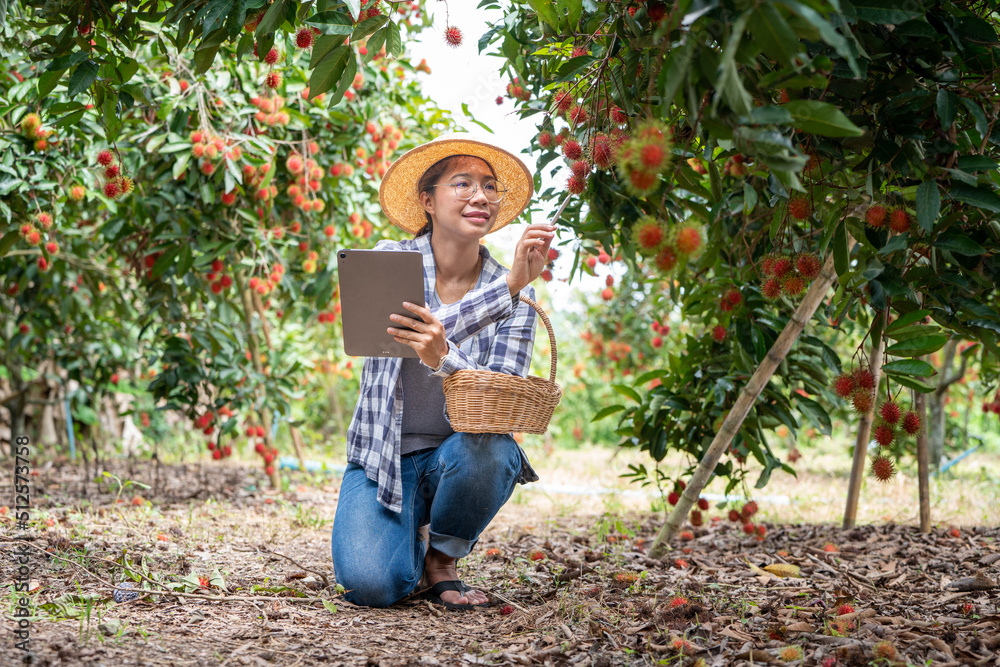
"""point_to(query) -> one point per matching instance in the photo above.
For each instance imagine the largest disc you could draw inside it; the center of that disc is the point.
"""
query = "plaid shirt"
(486, 330)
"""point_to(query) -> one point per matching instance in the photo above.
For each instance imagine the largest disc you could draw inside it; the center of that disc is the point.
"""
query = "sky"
(463, 75)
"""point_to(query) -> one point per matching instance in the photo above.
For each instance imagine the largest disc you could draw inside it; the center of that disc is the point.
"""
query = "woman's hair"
(431, 177)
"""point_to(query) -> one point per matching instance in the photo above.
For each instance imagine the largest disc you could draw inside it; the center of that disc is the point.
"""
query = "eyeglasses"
(466, 189)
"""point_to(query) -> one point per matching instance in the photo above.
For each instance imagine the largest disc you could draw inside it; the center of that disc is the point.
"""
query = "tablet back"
(373, 285)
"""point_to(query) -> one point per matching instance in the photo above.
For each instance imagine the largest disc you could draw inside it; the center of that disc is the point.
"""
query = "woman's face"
(467, 218)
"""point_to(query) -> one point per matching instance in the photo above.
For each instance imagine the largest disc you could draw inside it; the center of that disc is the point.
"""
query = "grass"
(967, 494)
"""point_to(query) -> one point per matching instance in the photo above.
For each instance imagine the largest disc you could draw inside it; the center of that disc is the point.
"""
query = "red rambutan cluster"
(643, 157)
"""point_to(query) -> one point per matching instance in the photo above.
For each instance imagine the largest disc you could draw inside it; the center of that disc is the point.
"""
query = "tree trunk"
(923, 467)
(861, 445)
(732, 423)
(936, 399)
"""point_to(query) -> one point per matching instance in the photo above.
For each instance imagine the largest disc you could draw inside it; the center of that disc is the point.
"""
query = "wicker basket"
(491, 402)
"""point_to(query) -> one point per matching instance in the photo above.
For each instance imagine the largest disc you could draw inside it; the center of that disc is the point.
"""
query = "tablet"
(373, 285)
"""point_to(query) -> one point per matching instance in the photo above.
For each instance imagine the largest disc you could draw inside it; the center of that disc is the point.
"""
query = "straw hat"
(398, 193)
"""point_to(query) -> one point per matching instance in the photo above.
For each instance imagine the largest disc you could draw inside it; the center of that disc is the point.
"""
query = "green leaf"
(928, 204)
(773, 34)
(821, 118)
(959, 243)
(841, 253)
(975, 196)
(83, 76)
(982, 125)
(9, 239)
(609, 410)
(546, 10)
(885, 12)
(919, 346)
(915, 367)
(329, 70)
(272, 19)
(815, 413)
(329, 606)
(331, 23)
(910, 382)
(947, 105)
(394, 42)
(571, 10)
(627, 392)
(165, 261)
(674, 70)
(906, 320)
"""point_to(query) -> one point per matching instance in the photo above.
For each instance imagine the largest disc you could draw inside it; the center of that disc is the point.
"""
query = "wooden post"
(730, 426)
(299, 451)
(923, 464)
(861, 447)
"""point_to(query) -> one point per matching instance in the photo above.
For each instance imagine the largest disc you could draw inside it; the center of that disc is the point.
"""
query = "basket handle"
(552, 336)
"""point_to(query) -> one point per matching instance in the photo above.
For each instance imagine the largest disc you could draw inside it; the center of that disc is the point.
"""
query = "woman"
(406, 467)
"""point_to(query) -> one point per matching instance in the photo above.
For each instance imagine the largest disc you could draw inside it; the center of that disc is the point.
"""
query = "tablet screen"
(373, 285)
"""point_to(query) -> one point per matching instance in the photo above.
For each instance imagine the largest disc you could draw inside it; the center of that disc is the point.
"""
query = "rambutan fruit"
(749, 528)
(719, 333)
(884, 435)
(899, 221)
(576, 184)
(882, 468)
(733, 296)
(678, 601)
(767, 264)
(771, 289)
(271, 57)
(641, 182)
(305, 38)
(30, 125)
(862, 400)
(799, 208)
(105, 157)
(572, 150)
(749, 509)
(875, 216)
(808, 266)
(843, 385)
(696, 518)
(793, 285)
(688, 241)
(781, 266)
(111, 189)
(601, 153)
(666, 259)
(651, 156)
(112, 171)
(884, 650)
(734, 516)
(864, 379)
(453, 36)
(649, 234)
(845, 609)
(578, 115)
(617, 116)
(580, 168)
(703, 504)
(687, 535)
(273, 80)
(673, 497)
(911, 423)
(790, 654)
(76, 193)
(889, 411)
(546, 140)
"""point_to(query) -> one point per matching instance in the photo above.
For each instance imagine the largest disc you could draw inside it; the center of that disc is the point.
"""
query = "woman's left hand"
(427, 337)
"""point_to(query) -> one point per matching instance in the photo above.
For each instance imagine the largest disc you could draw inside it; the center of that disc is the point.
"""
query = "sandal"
(434, 595)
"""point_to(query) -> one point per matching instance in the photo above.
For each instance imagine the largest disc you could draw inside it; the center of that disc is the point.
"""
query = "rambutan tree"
(177, 205)
(777, 149)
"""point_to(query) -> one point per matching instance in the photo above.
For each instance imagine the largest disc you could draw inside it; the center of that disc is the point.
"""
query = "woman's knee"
(369, 581)
(485, 452)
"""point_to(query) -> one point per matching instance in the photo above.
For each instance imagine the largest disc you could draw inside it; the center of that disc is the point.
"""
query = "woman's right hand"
(530, 256)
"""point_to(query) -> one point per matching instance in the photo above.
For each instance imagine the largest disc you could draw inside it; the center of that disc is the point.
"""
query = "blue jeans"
(457, 488)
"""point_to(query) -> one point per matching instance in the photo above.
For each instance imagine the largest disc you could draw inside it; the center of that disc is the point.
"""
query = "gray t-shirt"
(424, 425)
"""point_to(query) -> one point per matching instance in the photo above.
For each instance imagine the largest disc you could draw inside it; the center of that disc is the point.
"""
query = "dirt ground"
(569, 574)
